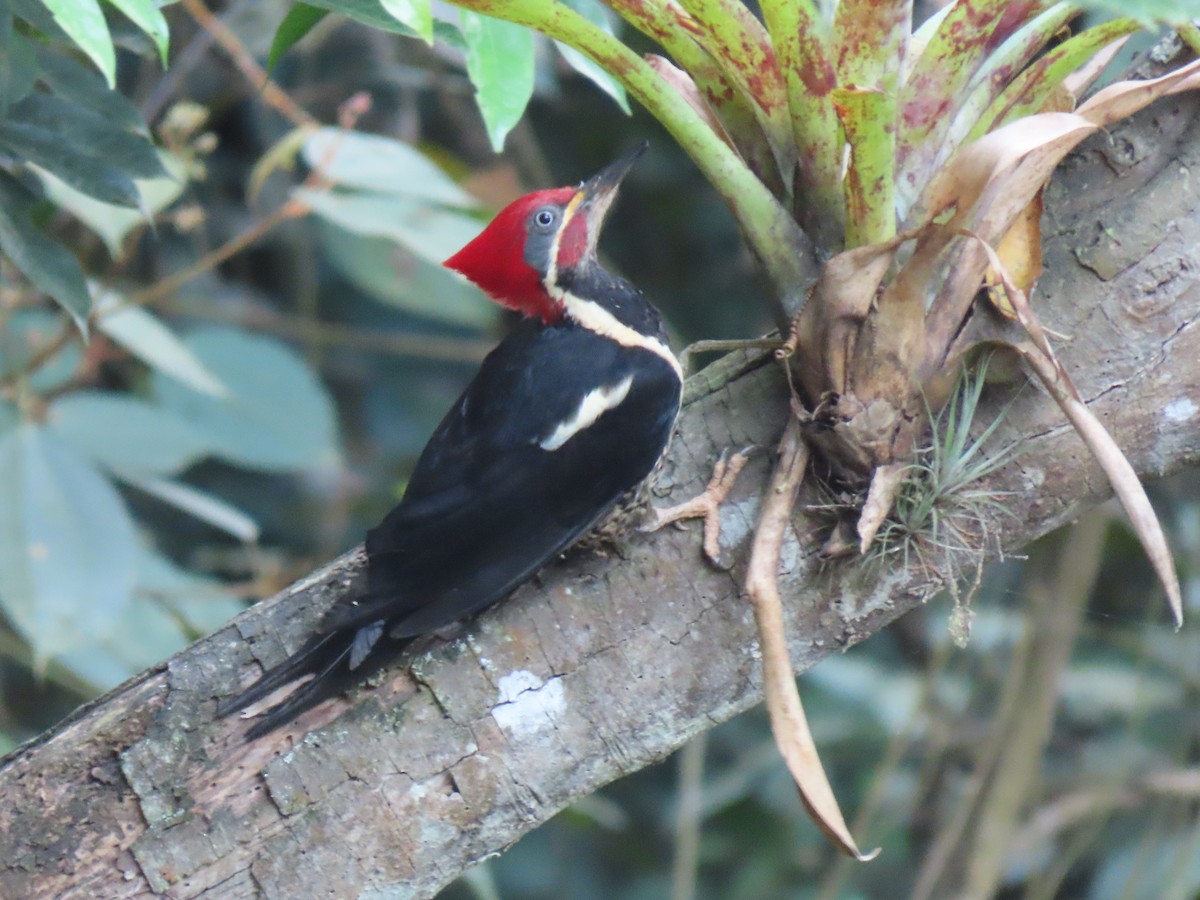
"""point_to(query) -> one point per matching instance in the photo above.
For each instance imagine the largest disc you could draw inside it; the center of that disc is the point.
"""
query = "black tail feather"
(312, 656)
(325, 683)
(337, 661)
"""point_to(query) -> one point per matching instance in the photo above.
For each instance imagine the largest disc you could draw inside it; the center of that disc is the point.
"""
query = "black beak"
(599, 191)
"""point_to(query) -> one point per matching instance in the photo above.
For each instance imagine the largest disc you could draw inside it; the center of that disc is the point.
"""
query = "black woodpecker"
(566, 415)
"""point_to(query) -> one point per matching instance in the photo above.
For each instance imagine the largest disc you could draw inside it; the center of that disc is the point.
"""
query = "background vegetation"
(164, 505)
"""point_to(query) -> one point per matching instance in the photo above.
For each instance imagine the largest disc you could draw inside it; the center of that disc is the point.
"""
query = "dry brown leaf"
(1121, 100)
(1121, 475)
(788, 722)
(1021, 252)
(1117, 467)
(885, 485)
(1081, 79)
(827, 327)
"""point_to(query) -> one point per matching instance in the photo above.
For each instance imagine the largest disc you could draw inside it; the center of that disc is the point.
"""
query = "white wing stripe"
(593, 405)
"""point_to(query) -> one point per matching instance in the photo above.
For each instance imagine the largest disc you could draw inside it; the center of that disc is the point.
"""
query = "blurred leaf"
(8, 416)
(381, 165)
(149, 339)
(1163, 864)
(90, 133)
(142, 635)
(369, 12)
(1092, 692)
(413, 13)
(124, 433)
(278, 416)
(449, 34)
(84, 22)
(170, 608)
(500, 63)
(19, 71)
(146, 16)
(49, 266)
(204, 604)
(430, 231)
(299, 21)
(598, 14)
(25, 333)
(48, 150)
(67, 544)
(112, 224)
(197, 503)
(79, 84)
(392, 274)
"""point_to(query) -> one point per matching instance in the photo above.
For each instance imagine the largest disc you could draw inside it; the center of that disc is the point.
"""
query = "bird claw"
(706, 505)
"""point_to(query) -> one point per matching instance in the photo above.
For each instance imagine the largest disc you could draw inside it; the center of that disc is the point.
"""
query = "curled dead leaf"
(1021, 252)
(1116, 465)
(1121, 475)
(881, 496)
(788, 722)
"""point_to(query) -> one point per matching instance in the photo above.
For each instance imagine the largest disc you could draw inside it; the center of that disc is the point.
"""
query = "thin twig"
(688, 818)
(169, 285)
(328, 334)
(272, 94)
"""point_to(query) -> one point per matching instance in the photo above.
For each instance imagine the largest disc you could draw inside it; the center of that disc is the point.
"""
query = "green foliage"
(50, 266)
(83, 21)
(67, 544)
(500, 63)
(61, 122)
(27, 333)
(299, 21)
(145, 336)
(277, 417)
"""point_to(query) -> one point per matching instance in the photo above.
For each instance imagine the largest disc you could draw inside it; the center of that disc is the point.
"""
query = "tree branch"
(605, 664)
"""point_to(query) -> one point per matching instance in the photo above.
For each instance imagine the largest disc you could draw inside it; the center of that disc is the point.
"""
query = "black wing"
(487, 505)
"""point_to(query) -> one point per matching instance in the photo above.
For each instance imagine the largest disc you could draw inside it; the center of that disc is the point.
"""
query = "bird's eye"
(545, 218)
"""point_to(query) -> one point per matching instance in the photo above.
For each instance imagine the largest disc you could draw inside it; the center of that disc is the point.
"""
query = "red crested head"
(499, 258)
(536, 243)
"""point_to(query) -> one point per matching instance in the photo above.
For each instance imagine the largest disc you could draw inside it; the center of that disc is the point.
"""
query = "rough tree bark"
(606, 664)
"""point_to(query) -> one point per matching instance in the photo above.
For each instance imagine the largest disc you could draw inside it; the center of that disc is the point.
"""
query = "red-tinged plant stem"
(801, 42)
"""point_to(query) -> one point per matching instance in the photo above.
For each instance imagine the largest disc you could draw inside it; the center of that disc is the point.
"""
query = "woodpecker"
(567, 415)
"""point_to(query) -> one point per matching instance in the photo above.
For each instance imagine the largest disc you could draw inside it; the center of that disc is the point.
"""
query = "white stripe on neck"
(594, 404)
(597, 319)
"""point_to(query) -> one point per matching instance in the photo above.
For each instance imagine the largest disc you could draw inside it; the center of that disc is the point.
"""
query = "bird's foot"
(706, 505)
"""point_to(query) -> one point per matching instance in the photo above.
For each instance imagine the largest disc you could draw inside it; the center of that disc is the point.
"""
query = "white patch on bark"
(1180, 410)
(527, 704)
